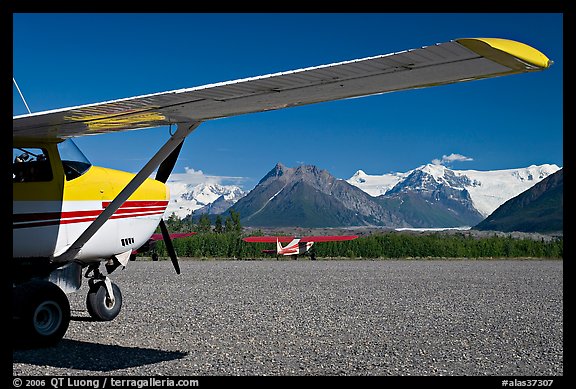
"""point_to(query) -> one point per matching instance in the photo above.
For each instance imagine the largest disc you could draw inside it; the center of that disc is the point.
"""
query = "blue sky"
(62, 60)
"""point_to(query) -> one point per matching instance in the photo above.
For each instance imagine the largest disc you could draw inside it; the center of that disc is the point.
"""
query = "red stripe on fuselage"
(139, 203)
(290, 249)
(114, 216)
(127, 210)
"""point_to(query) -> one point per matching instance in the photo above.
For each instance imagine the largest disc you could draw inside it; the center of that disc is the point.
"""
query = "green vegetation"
(224, 241)
(229, 245)
(439, 245)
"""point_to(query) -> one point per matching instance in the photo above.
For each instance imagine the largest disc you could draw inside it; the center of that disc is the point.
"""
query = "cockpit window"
(30, 164)
(74, 161)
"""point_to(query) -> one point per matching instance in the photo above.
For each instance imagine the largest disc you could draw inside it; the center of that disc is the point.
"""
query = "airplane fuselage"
(295, 247)
(54, 202)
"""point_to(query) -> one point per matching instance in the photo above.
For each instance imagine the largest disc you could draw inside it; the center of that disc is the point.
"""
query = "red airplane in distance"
(295, 246)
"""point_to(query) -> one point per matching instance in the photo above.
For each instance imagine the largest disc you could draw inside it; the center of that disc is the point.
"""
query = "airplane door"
(37, 187)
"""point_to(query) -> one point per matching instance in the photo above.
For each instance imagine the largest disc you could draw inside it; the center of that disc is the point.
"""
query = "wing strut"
(175, 140)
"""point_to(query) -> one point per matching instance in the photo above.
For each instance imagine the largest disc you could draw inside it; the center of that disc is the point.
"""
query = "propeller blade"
(165, 168)
(164, 171)
(169, 246)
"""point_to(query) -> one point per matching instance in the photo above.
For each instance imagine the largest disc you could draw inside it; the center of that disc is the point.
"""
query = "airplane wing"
(268, 239)
(335, 238)
(444, 63)
(288, 239)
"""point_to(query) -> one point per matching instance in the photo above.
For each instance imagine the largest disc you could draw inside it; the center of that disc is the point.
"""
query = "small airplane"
(296, 246)
(69, 216)
(150, 245)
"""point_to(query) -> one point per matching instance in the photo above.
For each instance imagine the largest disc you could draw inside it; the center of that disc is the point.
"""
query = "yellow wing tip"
(498, 48)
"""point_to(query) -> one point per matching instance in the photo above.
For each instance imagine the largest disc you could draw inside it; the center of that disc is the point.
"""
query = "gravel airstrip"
(382, 317)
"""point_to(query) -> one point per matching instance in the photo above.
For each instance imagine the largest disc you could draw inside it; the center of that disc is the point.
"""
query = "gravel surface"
(387, 317)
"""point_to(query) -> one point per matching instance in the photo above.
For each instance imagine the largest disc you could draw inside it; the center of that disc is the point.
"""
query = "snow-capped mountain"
(538, 209)
(491, 189)
(487, 189)
(376, 185)
(307, 196)
(186, 198)
(428, 196)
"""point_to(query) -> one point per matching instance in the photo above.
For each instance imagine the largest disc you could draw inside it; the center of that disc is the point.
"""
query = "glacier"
(488, 189)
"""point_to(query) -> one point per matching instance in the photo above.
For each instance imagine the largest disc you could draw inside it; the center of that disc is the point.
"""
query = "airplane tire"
(41, 314)
(154, 256)
(98, 305)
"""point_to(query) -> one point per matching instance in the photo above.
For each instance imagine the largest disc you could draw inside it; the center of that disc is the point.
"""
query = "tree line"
(231, 223)
(224, 241)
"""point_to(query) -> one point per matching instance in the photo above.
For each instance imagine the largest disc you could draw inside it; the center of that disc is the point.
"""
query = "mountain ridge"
(538, 209)
(488, 189)
(430, 196)
(186, 199)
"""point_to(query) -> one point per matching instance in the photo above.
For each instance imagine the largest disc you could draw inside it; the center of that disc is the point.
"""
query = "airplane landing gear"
(41, 313)
(104, 299)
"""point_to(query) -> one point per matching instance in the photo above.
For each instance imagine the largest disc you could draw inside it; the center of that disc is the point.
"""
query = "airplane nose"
(167, 192)
(150, 190)
(154, 190)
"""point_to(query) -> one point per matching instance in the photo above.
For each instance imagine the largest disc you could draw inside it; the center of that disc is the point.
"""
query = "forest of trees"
(223, 240)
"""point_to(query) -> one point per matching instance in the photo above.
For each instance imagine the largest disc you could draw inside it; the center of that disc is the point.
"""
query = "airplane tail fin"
(278, 245)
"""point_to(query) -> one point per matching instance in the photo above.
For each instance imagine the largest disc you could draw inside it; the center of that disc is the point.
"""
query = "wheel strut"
(97, 277)
(104, 299)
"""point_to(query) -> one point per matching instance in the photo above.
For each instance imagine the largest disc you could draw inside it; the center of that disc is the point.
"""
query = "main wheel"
(99, 306)
(41, 313)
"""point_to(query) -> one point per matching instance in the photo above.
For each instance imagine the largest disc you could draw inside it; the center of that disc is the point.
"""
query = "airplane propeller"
(169, 246)
(164, 171)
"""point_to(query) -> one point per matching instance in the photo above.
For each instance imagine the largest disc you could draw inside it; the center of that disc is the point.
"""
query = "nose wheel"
(104, 299)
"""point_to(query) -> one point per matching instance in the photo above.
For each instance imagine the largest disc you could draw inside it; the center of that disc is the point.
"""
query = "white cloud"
(182, 186)
(446, 159)
(195, 177)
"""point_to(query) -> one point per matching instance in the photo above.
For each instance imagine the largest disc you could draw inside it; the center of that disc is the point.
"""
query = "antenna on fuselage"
(21, 95)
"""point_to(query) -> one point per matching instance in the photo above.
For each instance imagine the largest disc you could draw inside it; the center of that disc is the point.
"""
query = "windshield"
(74, 161)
